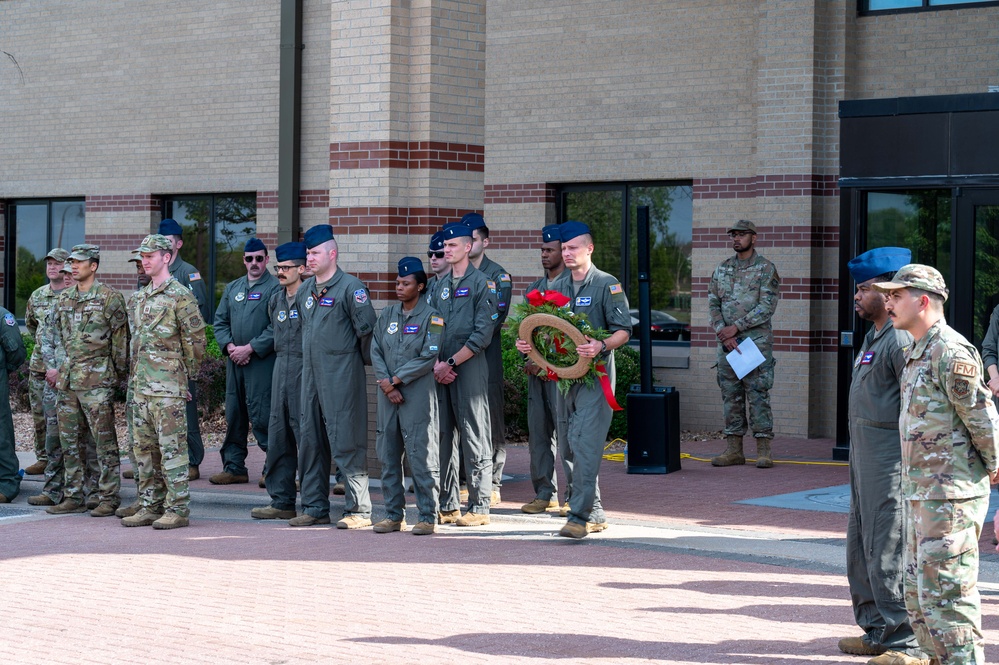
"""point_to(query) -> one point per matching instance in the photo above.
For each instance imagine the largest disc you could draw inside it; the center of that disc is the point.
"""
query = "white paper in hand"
(745, 362)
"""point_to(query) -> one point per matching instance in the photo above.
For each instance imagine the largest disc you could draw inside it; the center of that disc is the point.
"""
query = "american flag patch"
(616, 289)
(436, 321)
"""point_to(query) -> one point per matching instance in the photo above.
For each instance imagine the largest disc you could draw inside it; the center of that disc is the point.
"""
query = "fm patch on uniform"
(436, 324)
(494, 316)
(965, 369)
(491, 284)
(461, 293)
(240, 296)
(195, 321)
(433, 348)
(293, 314)
(411, 329)
(326, 302)
(867, 358)
(309, 302)
(616, 289)
(282, 316)
(194, 276)
(255, 295)
(445, 293)
(393, 328)
(360, 296)
(583, 301)
(10, 320)
(961, 388)
(504, 277)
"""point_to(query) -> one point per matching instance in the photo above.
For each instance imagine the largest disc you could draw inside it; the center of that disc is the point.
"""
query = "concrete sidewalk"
(685, 574)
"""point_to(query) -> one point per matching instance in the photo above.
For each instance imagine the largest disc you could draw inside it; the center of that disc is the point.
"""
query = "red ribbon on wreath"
(606, 385)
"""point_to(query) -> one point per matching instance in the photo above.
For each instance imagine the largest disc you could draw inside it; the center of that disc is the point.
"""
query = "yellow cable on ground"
(619, 457)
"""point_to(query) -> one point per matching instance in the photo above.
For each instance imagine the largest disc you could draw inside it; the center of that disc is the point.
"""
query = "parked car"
(663, 326)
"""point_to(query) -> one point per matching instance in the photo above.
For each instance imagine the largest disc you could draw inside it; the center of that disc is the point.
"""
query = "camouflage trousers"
(54, 469)
(130, 448)
(77, 409)
(941, 577)
(159, 425)
(752, 391)
(36, 398)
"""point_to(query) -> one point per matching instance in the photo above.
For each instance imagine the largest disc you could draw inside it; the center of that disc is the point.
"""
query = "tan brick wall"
(158, 96)
(924, 53)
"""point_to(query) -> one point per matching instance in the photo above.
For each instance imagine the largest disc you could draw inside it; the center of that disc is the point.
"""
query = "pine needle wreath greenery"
(551, 336)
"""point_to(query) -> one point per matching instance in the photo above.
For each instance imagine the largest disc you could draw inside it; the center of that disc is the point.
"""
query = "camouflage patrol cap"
(66, 267)
(154, 242)
(916, 276)
(59, 254)
(85, 252)
(135, 257)
(743, 225)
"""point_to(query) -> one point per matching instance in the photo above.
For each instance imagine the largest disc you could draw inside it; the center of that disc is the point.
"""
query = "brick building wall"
(416, 111)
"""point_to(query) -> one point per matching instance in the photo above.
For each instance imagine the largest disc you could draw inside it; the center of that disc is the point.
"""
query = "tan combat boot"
(733, 453)
(764, 458)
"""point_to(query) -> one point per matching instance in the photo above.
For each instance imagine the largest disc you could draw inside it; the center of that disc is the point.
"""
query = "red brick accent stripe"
(360, 220)
(791, 288)
(122, 203)
(770, 236)
(115, 242)
(307, 198)
(795, 341)
(407, 155)
(520, 193)
(766, 185)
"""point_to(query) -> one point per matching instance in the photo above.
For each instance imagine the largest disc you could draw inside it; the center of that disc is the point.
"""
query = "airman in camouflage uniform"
(168, 344)
(950, 439)
(12, 354)
(40, 304)
(93, 325)
(742, 298)
(190, 278)
(142, 280)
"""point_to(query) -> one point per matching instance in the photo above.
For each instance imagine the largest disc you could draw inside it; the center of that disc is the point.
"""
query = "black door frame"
(960, 304)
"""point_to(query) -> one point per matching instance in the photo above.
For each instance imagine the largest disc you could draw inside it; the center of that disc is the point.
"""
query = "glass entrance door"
(978, 214)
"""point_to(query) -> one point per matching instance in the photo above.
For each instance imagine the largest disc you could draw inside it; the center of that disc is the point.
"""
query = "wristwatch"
(451, 362)
(603, 345)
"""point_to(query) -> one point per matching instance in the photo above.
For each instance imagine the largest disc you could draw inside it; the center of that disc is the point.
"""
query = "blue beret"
(437, 241)
(254, 245)
(456, 230)
(551, 233)
(290, 251)
(170, 227)
(410, 264)
(317, 235)
(473, 220)
(571, 229)
(878, 261)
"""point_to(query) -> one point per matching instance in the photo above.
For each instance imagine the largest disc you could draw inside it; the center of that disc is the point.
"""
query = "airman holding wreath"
(585, 412)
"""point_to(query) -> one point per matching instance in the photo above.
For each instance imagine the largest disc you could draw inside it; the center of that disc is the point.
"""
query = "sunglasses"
(435, 255)
(254, 259)
(283, 268)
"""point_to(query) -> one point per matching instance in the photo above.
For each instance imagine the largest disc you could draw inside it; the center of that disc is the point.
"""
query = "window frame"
(10, 240)
(863, 7)
(211, 271)
(625, 187)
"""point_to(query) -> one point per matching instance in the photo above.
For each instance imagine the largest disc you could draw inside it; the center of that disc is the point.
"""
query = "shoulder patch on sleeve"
(10, 320)
(194, 276)
(616, 289)
(436, 320)
(965, 369)
(491, 284)
(360, 296)
(504, 277)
